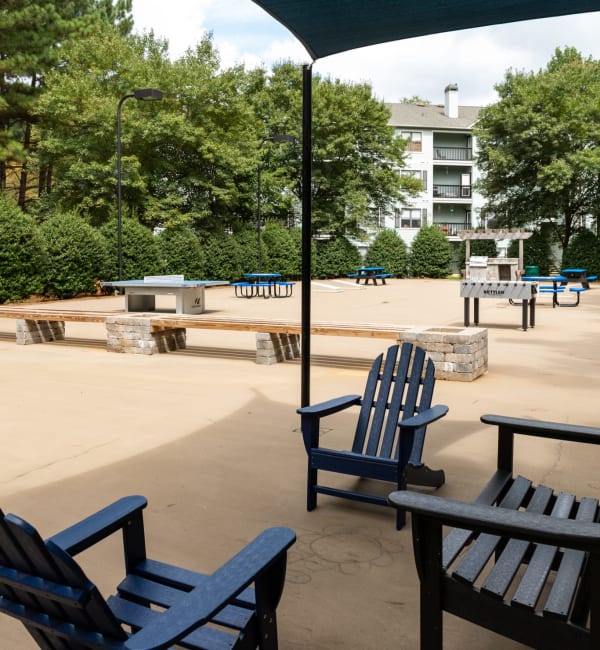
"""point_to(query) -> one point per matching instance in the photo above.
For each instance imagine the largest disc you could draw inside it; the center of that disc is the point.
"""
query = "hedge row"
(65, 256)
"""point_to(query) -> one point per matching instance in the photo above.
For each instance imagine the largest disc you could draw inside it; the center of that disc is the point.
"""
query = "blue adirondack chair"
(162, 606)
(390, 433)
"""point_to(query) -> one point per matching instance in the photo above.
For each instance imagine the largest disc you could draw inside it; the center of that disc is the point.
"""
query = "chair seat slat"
(481, 550)
(563, 591)
(131, 613)
(501, 576)
(149, 592)
(536, 574)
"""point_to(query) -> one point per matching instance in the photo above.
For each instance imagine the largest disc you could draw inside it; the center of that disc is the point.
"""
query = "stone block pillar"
(134, 335)
(273, 348)
(39, 331)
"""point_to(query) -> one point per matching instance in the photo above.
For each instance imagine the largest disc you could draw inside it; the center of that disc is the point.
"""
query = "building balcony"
(451, 229)
(453, 154)
(451, 191)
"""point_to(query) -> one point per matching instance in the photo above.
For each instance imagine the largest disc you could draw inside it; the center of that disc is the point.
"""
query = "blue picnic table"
(265, 285)
(558, 286)
(372, 273)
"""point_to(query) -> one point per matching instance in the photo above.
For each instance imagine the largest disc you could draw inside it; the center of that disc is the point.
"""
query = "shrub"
(484, 247)
(280, 249)
(336, 257)
(181, 253)
(536, 252)
(141, 255)
(22, 254)
(430, 254)
(583, 251)
(388, 250)
(247, 246)
(223, 257)
(77, 255)
(296, 236)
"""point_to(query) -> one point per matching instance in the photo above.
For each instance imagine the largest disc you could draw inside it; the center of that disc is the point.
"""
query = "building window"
(414, 140)
(409, 217)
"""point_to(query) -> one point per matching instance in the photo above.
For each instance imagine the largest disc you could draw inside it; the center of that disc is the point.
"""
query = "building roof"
(431, 116)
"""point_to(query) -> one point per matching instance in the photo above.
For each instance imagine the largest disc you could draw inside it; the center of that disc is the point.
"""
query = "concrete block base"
(458, 353)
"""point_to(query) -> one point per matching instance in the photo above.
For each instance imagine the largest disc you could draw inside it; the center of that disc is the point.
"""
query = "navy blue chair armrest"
(87, 532)
(330, 406)
(205, 600)
(424, 418)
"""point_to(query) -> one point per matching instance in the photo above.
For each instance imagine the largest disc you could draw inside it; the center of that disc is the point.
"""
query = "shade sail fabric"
(327, 27)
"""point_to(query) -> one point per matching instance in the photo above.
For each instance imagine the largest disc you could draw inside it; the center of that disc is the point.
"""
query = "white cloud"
(475, 59)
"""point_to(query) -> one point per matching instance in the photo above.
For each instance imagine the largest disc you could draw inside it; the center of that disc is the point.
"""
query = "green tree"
(32, 40)
(22, 254)
(430, 254)
(539, 146)
(187, 160)
(77, 255)
(355, 153)
(388, 250)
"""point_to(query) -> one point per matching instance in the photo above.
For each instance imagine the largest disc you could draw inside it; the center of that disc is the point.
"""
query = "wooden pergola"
(496, 234)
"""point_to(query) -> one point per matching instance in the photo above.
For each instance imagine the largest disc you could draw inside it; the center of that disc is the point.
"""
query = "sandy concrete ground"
(212, 440)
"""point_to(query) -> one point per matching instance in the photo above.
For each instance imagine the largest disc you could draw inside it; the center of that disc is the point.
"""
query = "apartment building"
(441, 150)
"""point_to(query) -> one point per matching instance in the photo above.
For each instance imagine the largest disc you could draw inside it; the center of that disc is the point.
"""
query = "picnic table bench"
(522, 560)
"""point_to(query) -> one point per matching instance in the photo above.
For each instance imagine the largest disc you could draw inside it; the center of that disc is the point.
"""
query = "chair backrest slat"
(364, 417)
(397, 401)
(399, 390)
(382, 402)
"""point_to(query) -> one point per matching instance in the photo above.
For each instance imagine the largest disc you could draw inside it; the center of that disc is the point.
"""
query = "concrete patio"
(212, 439)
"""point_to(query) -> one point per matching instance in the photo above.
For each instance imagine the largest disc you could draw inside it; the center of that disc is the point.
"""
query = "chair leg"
(311, 493)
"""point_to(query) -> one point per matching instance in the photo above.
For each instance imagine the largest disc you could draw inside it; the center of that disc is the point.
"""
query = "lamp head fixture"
(148, 94)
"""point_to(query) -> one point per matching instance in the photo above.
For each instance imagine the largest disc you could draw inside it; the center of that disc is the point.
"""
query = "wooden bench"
(522, 560)
(277, 340)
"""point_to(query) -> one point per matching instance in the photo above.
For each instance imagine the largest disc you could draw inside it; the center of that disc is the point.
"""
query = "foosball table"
(523, 291)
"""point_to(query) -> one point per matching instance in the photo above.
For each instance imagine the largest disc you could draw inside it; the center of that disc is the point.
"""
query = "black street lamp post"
(143, 94)
(273, 138)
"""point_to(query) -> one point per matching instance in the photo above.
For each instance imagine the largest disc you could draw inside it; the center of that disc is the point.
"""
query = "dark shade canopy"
(327, 27)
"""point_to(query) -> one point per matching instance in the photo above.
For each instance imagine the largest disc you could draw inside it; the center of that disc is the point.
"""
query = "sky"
(475, 59)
